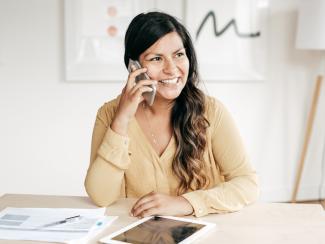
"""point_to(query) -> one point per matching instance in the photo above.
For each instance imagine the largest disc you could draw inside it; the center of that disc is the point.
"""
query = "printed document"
(64, 225)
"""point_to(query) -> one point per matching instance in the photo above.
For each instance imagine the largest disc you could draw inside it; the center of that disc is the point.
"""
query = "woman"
(182, 155)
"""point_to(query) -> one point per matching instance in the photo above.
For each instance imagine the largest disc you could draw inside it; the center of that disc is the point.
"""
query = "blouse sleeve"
(241, 186)
(109, 159)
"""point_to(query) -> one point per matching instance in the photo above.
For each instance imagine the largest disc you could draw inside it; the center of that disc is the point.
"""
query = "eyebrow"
(158, 54)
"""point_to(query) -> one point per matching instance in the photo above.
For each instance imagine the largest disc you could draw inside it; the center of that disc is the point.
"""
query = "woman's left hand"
(161, 204)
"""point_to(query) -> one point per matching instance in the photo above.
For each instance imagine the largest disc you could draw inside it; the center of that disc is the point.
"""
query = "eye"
(180, 54)
(155, 59)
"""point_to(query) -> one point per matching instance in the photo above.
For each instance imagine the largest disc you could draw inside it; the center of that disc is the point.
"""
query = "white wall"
(46, 123)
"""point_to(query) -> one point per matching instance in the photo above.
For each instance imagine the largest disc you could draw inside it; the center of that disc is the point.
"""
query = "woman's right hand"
(130, 99)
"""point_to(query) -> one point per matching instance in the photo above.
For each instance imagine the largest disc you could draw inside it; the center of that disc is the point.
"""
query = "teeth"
(173, 81)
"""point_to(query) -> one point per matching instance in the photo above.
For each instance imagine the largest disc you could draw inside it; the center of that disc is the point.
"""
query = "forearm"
(227, 197)
(103, 182)
(105, 176)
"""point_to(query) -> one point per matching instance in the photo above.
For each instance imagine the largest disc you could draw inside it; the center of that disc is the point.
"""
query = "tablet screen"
(159, 230)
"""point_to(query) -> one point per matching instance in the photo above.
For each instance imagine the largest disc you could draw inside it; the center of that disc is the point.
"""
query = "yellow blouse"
(129, 166)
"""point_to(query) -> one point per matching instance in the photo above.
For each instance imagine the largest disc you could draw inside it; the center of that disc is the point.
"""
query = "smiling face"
(167, 63)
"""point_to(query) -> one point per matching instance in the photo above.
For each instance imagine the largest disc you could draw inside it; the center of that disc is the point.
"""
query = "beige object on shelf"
(310, 36)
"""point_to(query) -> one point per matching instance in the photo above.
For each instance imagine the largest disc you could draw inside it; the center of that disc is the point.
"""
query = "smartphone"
(148, 96)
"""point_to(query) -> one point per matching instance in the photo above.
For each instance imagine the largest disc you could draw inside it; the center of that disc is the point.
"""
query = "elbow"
(98, 196)
(248, 190)
(99, 202)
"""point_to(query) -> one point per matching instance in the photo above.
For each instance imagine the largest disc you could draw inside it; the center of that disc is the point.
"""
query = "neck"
(159, 107)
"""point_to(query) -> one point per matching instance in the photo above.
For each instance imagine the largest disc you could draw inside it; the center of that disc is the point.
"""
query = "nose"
(170, 67)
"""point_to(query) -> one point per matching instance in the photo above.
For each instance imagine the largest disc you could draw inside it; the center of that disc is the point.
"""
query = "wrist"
(120, 126)
(188, 208)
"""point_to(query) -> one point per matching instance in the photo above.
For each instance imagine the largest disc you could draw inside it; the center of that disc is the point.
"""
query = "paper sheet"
(28, 224)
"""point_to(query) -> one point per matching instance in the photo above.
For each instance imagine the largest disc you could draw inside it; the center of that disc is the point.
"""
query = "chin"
(169, 95)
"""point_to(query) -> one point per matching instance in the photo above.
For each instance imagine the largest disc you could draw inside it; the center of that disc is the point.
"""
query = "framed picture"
(230, 37)
(94, 37)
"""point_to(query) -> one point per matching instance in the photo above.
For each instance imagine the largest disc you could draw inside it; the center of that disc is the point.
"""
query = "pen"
(63, 221)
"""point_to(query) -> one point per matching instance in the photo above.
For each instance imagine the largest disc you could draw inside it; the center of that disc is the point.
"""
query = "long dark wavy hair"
(188, 121)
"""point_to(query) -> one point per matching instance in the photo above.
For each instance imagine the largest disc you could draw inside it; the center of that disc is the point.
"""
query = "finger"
(146, 198)
(143, 83)
(149, 212)
(143, 209)
(142, 200)
(131, 79)
(138, 93)
(142, 90)
(137, 72)
(137, 97)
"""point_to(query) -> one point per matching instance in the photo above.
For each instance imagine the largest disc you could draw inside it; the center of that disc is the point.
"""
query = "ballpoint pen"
(63, 221)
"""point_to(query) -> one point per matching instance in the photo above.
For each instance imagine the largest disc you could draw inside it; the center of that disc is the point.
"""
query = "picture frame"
(235, 32)
(94, 38)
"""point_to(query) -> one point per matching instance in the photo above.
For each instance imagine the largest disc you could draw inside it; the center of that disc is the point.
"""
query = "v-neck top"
(146, 140)
(130, 167)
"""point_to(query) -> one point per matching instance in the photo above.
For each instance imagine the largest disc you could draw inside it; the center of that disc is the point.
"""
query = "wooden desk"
(266, 223)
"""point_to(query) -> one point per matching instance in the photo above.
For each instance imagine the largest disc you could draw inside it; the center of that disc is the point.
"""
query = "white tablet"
(160, 229)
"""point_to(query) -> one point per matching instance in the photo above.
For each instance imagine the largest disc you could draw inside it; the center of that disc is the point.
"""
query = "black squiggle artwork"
(228, 25)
